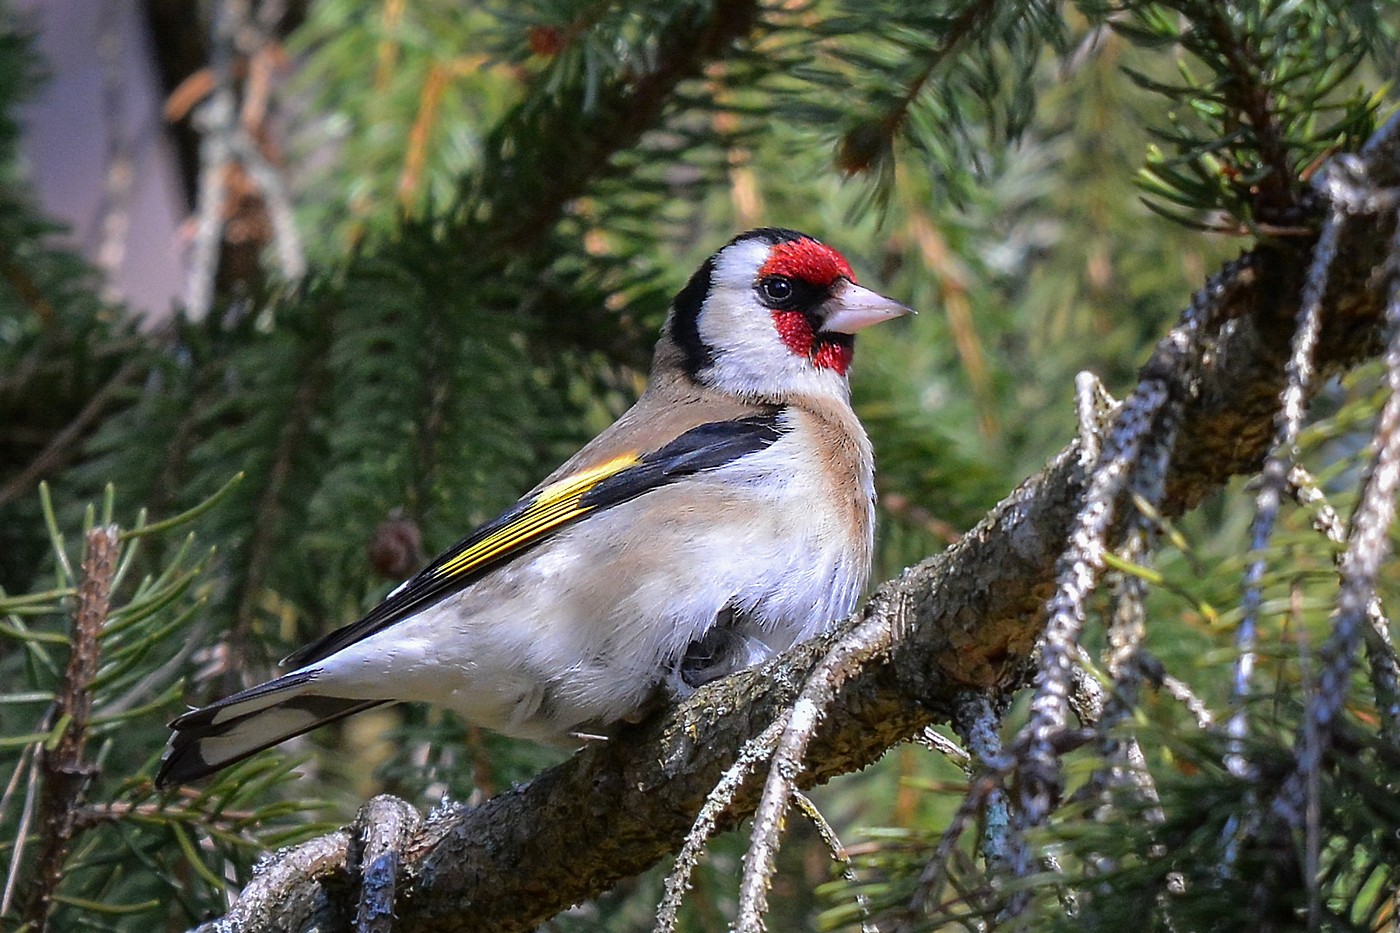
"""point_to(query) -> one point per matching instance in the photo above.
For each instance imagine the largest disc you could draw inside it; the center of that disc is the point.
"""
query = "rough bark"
(968, 619)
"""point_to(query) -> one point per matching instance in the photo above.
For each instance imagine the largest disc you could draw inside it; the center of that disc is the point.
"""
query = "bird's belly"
(581, 630)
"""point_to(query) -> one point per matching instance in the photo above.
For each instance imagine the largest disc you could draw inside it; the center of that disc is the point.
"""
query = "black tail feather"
(201, 746)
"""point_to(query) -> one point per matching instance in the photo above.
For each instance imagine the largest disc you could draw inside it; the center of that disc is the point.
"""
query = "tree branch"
(965, 619)
(65, 771)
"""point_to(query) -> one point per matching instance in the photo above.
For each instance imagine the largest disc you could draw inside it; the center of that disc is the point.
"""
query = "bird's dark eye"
(775, 289)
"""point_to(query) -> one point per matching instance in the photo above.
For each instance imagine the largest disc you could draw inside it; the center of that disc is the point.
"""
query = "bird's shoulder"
(838, 441)
(668, 410)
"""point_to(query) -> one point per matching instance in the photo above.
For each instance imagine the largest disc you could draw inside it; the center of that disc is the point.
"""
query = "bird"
(726, 516)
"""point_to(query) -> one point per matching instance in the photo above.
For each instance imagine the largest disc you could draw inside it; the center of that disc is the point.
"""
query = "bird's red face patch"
(795, 331)
(825, 351)
(807, 260)
(816, 263)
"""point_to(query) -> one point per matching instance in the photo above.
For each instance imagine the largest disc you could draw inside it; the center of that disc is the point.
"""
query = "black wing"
(535, 518)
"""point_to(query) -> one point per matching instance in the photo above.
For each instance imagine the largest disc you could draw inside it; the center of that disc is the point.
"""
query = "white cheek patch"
(749, 356)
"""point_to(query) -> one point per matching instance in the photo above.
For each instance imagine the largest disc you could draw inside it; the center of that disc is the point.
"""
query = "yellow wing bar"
(555, 505)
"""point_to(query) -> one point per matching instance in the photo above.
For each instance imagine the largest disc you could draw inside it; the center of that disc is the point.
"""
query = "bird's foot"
(384, 825)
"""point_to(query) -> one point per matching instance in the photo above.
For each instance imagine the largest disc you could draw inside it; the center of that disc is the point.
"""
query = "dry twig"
(63, 770)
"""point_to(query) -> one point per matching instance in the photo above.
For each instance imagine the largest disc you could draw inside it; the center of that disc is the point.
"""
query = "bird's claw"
(383, 827)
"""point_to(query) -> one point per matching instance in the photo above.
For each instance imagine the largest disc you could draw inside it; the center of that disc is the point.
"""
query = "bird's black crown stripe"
(685, 323)
(771, 235)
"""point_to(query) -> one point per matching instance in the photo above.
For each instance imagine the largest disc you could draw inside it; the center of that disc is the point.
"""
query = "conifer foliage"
(1139, 692)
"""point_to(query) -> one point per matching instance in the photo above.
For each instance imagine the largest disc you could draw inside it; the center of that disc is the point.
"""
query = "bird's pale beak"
(852, 308)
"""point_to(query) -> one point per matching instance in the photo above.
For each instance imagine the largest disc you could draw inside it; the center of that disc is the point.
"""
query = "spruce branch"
(965, 619)
(133, 626)
(930, 77)
(881, 130)
(1246, 135)
(64, 444)
(564, 142)
(295, 430)
(1247, 93)
(63, 768)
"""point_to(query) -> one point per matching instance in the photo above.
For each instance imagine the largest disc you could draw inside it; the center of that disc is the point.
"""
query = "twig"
(386, 824)
(1136, 457)
(291, 255)
(929, 887)
(757, 749)
(1308, 740)
(845, 658)
(26, 817)
(229, 821)
(265, 899)
(838, 852)
(1076, 577)
(963, 29)
(64, 772)
(1087, 698)
(260, 47)
(61, 446)
(978, 723)
(1093, 406)
(1287, 424)
(429, 102)
(1276, 198)
(1125, 762)
(118, 180)
(1182, 692)
(936, 741)
(1128, 623)
(1380, 651)
(1367, 548)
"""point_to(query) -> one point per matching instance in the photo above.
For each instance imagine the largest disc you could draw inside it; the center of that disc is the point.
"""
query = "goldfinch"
(728, 515)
